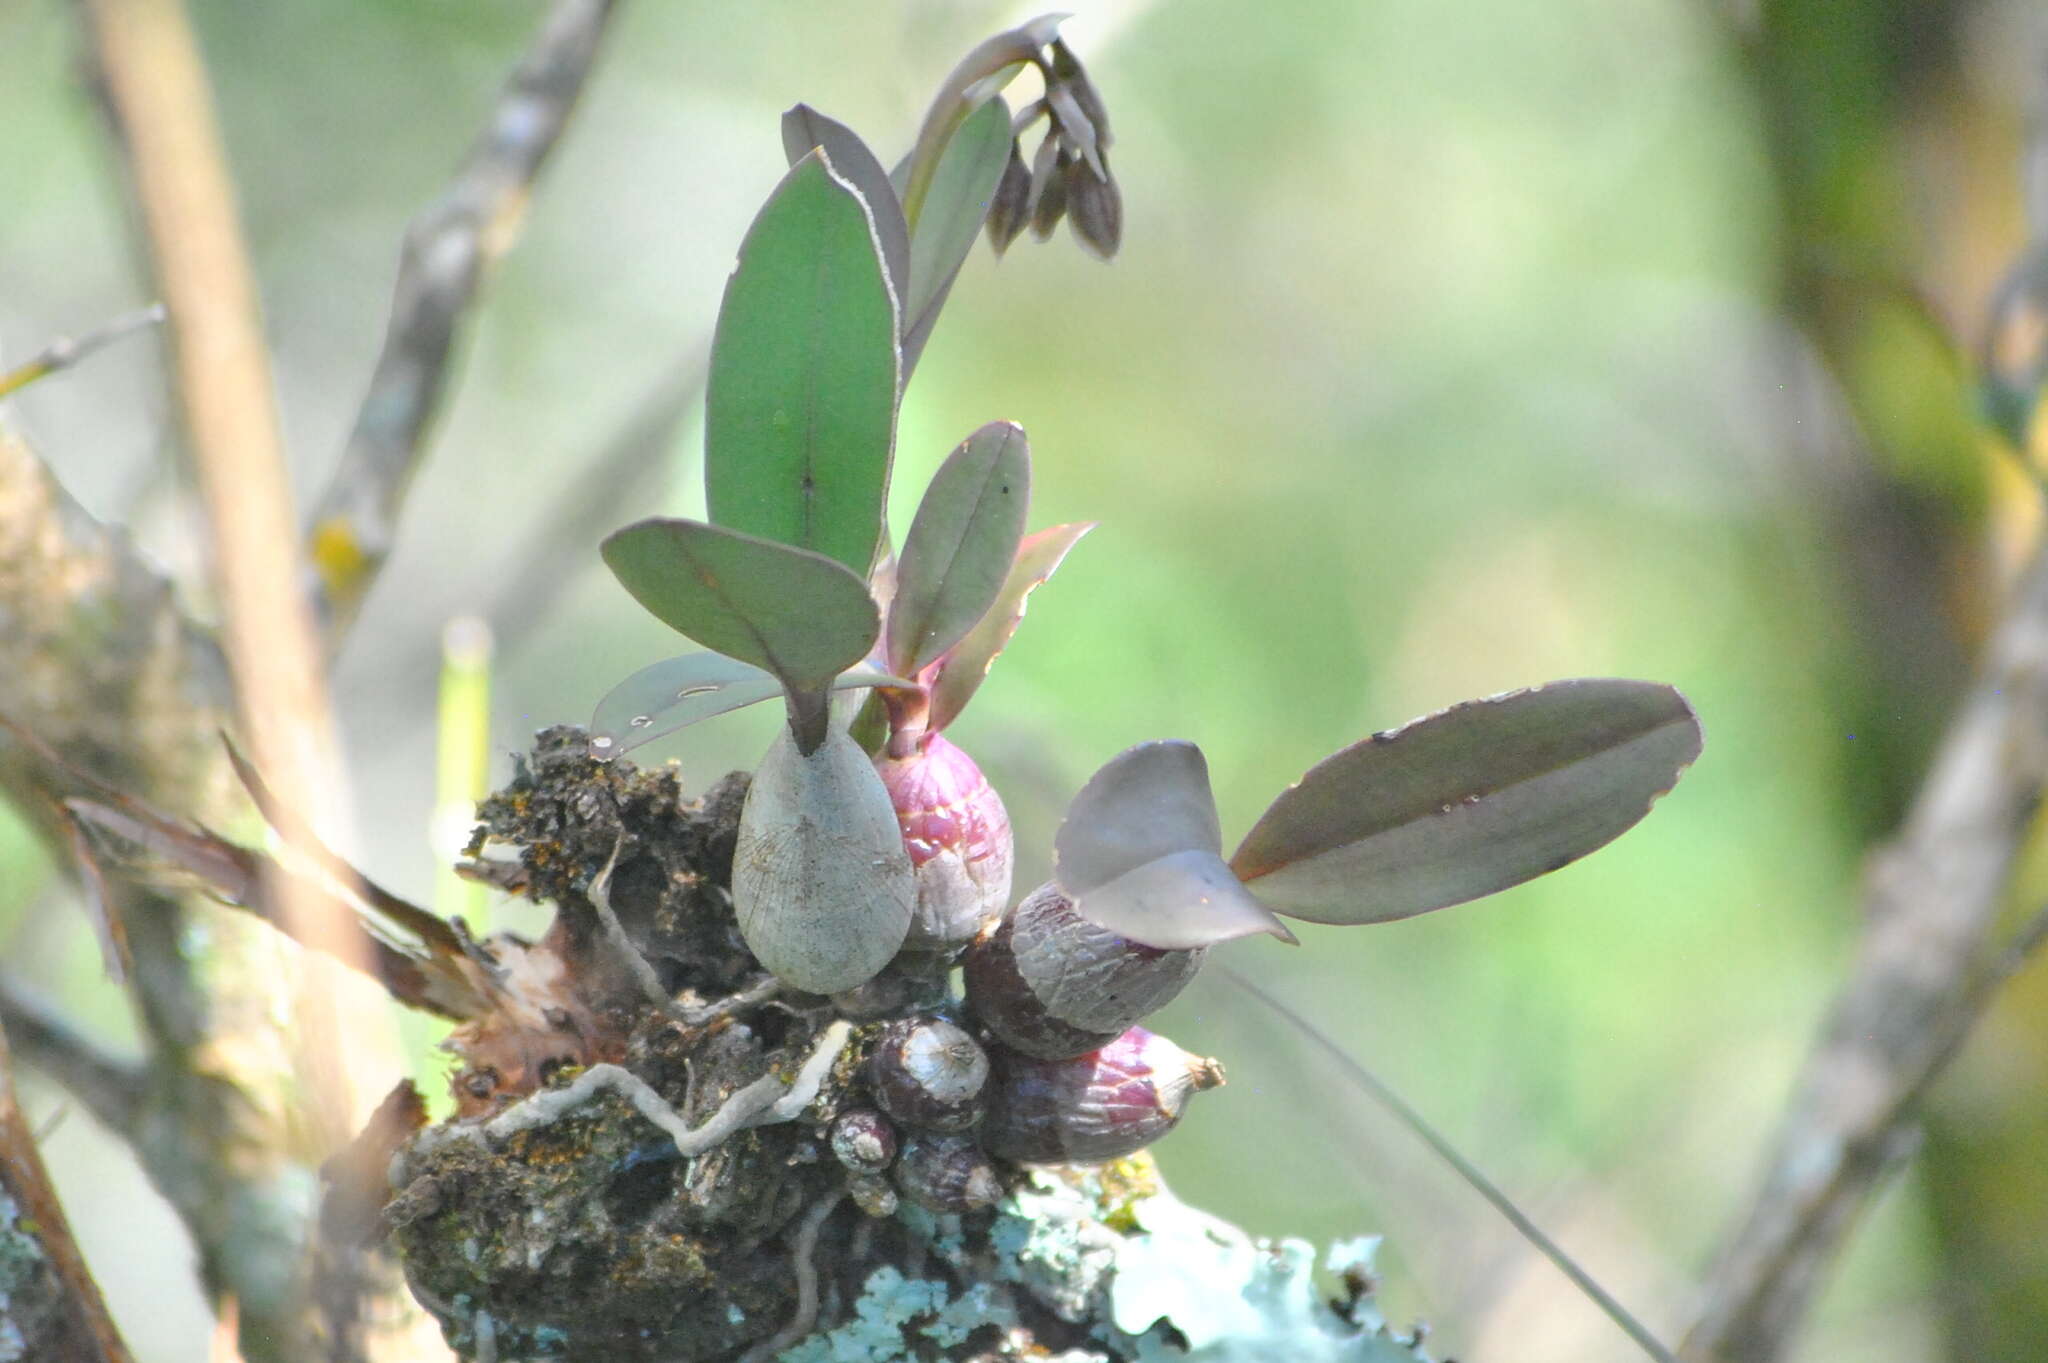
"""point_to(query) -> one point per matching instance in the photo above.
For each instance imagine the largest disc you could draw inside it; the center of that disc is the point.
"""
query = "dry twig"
(66, 351)
(158, 95)
(448, 248)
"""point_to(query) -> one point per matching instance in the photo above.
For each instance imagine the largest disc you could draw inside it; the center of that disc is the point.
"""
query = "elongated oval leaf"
(961, 545)
(1178, 902)
(804, 128)
(1468, 801)
(950, 218)
(675, 692)
(800, 400)
(797, 614)
(821, 883)
(1147, 802)
(964, 668)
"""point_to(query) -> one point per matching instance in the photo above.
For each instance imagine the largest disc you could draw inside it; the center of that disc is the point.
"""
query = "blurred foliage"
(1452, 347)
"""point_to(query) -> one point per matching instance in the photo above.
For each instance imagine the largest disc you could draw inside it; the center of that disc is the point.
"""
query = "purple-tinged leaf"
(804, 128)
(1147, 802)
(961, 545)
(1468, 801)
(1179, 902)
(800, 399)
(796, 614)
(1140, 850)
(950, 218)
(963, 669)
(677, 692)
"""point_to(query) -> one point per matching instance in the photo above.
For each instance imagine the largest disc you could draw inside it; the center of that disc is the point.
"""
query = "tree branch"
(98, 662)
(1931, 901)
(113, 1090)
(448, 249)
(51, 1307)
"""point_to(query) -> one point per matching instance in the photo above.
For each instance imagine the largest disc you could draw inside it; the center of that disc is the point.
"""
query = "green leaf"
(1468, 801)
(950, 219)
(676, 692)
(965, 667)
(960, 546)
(800, 401)
(1139, 853)
(804, 128)
(796, 614)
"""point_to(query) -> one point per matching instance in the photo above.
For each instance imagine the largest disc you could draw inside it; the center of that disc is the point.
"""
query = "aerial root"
(765, 1101)
(802, 1255)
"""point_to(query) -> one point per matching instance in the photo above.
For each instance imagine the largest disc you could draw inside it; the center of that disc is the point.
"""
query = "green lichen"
(21, 1266)
(1165, 1281)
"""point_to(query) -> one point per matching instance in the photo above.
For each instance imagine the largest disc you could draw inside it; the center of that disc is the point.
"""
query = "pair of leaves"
(677, 692)
(789, 620)
(830, 304)
(800, 399)
(797, 615)
(1453, 806)
(920, 259)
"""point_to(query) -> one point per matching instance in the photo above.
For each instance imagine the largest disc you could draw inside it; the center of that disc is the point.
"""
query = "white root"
(765, 1101)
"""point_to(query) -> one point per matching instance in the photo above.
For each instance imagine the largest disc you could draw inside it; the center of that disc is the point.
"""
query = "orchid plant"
(868, 838)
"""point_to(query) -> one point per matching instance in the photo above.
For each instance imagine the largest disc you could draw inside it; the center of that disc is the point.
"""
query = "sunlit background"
(1453, 347)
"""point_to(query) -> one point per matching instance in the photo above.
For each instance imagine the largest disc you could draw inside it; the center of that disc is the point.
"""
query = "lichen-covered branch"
(50, 1306)
(448, 249)
(689, 1200)
(98, 662)
(1932, 900)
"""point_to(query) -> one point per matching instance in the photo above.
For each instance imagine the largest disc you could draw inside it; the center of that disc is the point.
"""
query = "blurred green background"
(1456, 345)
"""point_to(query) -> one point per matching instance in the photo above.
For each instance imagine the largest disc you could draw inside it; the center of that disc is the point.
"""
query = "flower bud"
(873, 1195)
(1010, 209)
(1095, 209)
(958, 836)
(863, 1140)
(1089, 1108)
(929, 1073)
(1051, 984)
(947, 1174)
(1049, 193)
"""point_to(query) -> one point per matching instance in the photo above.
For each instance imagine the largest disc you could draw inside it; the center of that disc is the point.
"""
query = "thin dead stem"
(158, 94)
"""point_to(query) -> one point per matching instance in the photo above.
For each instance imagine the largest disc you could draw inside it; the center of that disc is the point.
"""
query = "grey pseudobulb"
(820, 881)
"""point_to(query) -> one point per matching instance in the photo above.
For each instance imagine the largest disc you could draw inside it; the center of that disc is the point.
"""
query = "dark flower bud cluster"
(1068, 176)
